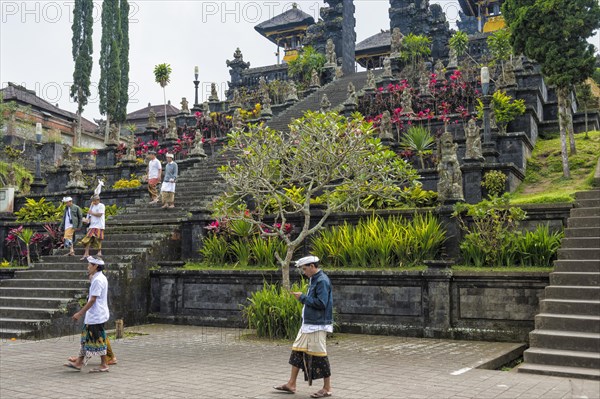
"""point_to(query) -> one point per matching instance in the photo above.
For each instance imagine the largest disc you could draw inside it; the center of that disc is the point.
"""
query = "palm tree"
(162, 74)
(418, 139)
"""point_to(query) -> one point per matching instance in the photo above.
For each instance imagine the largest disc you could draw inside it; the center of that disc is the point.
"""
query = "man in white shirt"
(95, 233)
(93, 335)
(154, 175)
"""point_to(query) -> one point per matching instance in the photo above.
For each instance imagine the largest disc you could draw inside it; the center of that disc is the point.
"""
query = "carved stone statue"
(266, 110)
(236, 120)
(263, 87)
(453, 61)
(385, 126)
(450, 188)
(339, 72)
(315, 81)
(473, 144)
(406, 102)
(113, 134)
(67, 157)
(325, 103)
(214, 97)
(508, 75)
(11, 179)
(152, 120)
(184, 106)
(292, 93)
(352, 97)
(236, 101)
(198, 148)
(76, 180)
(438, 69)
(172, 131)
(397, 39)
(330, 53)
(370, 86)
(424, 83)
(130, 155)
(387, 68)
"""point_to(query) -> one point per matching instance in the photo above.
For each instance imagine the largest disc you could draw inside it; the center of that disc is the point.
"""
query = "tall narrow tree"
(121, 113)
(82, 28)
(162, 76)
(554, 33)
(110, 69)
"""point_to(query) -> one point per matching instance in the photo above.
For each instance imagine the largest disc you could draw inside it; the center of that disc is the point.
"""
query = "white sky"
(35, 43)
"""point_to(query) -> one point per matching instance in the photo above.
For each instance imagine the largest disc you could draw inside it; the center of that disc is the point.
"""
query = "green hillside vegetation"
(544, 182)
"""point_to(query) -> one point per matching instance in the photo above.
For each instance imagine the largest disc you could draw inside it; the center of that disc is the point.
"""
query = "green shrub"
(39, 211)
(494, 182)
(274, 312)
(379, 242)
(263, 249)
(214, 249)
(538, 247)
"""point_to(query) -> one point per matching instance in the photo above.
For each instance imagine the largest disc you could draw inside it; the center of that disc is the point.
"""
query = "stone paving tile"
(199, 362)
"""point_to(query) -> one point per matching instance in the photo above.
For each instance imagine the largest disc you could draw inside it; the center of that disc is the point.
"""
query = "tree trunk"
(562, 122)
(569, 117)
(586, 122)
(107, 129)
(78, 131)
(165, 105)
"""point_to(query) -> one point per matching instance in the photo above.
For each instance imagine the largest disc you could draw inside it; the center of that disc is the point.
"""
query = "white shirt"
(68, 219)
(98, 313)
(97, 222)
(154, 168)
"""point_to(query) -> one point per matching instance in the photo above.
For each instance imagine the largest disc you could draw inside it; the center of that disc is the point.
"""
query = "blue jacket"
(318, 301)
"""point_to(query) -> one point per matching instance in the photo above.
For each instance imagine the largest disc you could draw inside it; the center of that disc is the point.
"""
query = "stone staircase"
(566, 339)
(39, 301)
(336, 91)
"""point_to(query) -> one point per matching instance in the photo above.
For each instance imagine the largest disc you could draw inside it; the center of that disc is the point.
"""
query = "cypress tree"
(110, 69)
(82, 56)
(121, 113)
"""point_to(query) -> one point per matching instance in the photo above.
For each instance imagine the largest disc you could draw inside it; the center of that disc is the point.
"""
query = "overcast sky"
(35, 43)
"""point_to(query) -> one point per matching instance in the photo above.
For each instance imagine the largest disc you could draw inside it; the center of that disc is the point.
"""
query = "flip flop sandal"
(283, 389)
(321, 394)
(72, 366)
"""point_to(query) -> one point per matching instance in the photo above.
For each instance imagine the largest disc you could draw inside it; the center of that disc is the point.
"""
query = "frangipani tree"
(325, 158)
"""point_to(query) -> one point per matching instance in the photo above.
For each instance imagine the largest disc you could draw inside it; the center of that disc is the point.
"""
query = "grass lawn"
(544, 182)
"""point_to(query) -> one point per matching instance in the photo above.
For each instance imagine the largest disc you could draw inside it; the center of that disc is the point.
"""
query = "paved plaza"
(200, 362)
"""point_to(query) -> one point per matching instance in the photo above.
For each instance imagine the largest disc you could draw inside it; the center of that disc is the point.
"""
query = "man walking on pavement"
(309, 351)
(154, 175)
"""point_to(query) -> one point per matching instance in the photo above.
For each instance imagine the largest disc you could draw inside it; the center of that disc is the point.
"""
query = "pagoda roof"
(292, 18)
(159, 110)
(379, 41)
(14, 92)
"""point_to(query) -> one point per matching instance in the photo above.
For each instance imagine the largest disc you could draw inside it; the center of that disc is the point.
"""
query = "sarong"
(93, 341)
(94, 238)
(309, 353)
(68, 237)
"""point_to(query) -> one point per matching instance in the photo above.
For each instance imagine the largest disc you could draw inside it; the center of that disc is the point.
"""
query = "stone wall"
(432, 303)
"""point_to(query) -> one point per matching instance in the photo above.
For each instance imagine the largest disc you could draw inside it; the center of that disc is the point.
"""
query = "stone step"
(575, 278)
(581, 242)
(45, 283)
(587, 203)
(581, 323)
(570, 306)
(584, 212)
(51, 274)
(142, 228)
(111, 256)
(582, 232)
(22, 324)
(578, 253)
(155, 220)
(80, 266)
(560, 371)
(558, 357)
(572, 292)
(29, 292)
(50, 303)
(124, 236)
(8, 333)
(574, 265)
(565, 340)
(587, 195)
(587, 221)
(27, 313)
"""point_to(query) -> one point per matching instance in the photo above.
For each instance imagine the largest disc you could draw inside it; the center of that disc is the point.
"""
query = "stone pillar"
(437, 302)
(472, 171)
(348, 38)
